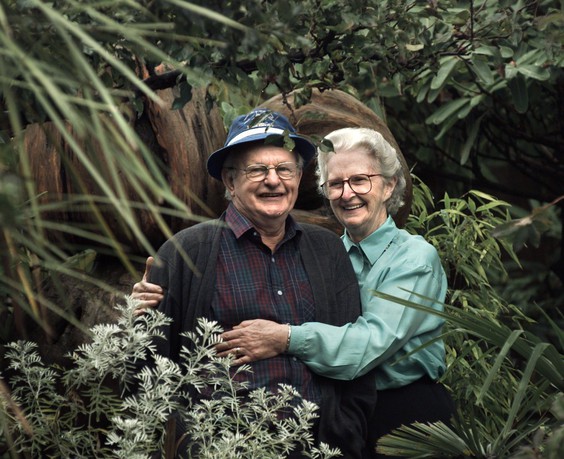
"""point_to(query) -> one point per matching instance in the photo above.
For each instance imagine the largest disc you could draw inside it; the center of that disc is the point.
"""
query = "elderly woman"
(363, 180)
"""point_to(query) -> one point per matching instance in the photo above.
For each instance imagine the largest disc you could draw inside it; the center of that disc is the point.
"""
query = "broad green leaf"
(510, 71)
(206, 12)
(448, 110)
(506, 52)
(447, 66)
(519, 94)
(433, 94)
(477, 100)
(397, 80)
(464, 111)
(525, 381)
(422, 93)
(491, 205)
(533, 57)
(482, 70)
(487, 51)
(445, 129)
(482, 195)
(461, 16)
(416, 47)
(469, 143)
(533, 71)
(497, 364)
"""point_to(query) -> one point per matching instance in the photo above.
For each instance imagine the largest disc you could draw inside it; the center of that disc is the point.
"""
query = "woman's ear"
(389, 186)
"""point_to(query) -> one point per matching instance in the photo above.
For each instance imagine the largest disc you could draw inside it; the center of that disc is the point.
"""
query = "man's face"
(270, 199)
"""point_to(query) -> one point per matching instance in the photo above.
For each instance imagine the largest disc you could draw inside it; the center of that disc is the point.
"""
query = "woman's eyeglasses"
(360, 184)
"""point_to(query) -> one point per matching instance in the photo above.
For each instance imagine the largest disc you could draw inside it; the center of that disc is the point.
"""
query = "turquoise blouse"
(395, 262)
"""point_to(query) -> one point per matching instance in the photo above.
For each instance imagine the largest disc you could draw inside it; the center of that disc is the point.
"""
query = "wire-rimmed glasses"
(258, 172)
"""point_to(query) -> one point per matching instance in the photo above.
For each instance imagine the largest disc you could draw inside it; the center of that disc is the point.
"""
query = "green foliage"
(461, 229)
(528, 229)
(507, 382)
(471, 91)
(73, 64)
(108, 404)
(534, 285)
(476, 102)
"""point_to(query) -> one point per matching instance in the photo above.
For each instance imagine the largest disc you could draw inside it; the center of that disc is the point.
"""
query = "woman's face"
(361, 214)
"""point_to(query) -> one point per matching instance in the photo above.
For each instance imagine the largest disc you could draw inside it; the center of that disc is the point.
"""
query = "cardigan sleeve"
(184, 268)
(334, 283)
(168, 273)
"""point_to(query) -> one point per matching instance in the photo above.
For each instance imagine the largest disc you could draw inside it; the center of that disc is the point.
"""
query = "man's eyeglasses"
(360, 184)
(258, 172)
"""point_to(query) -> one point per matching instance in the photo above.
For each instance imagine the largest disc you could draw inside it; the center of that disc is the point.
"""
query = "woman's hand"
(253, 340)
(149, 295)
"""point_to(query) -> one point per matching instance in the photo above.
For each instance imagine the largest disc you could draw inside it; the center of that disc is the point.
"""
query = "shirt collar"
(374, 245)
(240, 224)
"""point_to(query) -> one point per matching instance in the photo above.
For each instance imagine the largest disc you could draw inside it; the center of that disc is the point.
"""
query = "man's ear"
(228, 177)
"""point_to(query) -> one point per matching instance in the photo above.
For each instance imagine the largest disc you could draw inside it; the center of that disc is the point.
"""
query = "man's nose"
(272, 176)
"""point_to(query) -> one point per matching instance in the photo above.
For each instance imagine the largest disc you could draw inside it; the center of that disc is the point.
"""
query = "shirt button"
(272, 259)
(294, 358)
(279, 292)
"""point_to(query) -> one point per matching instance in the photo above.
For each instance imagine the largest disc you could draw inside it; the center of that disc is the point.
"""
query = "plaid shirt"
(252, 282)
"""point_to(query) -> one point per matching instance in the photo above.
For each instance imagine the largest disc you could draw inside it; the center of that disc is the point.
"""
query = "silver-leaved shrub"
(109, 404)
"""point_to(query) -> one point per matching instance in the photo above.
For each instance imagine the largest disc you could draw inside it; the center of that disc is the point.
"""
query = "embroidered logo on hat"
(256, 122)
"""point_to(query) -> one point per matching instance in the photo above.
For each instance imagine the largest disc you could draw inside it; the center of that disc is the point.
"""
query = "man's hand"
(253, 340)
(149, 295)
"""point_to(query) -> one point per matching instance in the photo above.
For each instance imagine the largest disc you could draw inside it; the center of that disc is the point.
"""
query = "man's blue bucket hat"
(259, 124)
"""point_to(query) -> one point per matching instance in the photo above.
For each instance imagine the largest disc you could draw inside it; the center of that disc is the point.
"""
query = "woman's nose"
(347, 191)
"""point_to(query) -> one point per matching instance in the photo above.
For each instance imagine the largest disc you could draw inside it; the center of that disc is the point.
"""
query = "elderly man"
(255, 261)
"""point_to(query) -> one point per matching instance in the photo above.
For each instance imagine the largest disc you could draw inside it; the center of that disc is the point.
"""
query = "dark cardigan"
(186, 271)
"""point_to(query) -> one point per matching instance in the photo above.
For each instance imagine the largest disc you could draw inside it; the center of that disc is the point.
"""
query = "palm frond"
(423, 440)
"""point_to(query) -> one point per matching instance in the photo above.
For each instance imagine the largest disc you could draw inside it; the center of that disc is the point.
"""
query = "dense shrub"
(107, 405)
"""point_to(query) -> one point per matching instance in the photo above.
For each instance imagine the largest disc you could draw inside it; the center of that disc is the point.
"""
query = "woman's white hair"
(385, 156)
